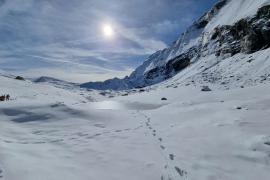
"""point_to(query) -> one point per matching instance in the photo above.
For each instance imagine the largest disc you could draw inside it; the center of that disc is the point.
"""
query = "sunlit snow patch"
(116, 105)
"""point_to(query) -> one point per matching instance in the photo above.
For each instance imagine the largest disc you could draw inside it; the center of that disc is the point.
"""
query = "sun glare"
(108, 30)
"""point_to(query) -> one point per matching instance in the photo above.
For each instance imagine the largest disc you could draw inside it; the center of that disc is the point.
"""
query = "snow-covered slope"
(234, 11)
(56, 82)
(172, 130)
(221, 31)
(49, 133)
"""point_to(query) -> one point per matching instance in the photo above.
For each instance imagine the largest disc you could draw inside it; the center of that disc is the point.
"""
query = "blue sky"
(65, 39)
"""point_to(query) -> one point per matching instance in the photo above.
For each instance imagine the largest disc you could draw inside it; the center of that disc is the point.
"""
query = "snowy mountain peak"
(230, 27)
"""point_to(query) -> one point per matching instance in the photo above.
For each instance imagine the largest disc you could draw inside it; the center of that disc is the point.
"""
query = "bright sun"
(108, 30)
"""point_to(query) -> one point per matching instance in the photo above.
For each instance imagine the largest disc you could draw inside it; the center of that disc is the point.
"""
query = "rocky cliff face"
(248, 35)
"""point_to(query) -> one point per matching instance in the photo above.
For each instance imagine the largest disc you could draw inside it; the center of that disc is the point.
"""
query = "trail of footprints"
(169, 157)
(1, 173)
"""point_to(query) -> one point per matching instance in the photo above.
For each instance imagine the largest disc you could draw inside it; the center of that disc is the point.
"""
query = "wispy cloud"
(61, 35)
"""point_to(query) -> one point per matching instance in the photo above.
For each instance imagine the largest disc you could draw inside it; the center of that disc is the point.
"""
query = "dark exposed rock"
(153, 73)
(247, 35)
(20, 78)
(173, 66)
(103, 93)
(267, 143)
(205, 89)
(250, 60)
(139, 87)
(141, 90)
(178, 64)
(264, 12)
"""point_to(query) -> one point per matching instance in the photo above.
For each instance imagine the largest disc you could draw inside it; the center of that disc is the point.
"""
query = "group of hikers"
(5, 97)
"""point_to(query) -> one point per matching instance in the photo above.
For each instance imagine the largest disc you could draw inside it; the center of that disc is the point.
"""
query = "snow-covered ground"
(53, 130)
(49, 133)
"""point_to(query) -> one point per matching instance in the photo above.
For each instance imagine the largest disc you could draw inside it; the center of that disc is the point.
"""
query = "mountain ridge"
(198, 41)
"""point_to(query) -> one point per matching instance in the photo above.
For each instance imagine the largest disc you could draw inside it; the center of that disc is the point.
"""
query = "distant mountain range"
(55, 82)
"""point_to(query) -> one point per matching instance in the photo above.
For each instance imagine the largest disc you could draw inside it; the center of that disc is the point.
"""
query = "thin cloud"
(58, 33)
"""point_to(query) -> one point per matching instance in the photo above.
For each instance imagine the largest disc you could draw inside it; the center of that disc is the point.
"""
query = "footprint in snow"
(162, 147)
(82, 134)
(138, 127)
(164, 178)
(39, 142)
(100, 125)
(180, 171)
(1, 173)
(57, 141)
(171, 157)
(93, 136)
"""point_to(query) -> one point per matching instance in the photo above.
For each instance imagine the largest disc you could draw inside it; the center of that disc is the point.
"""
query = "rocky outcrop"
(19, 78)
(172, 66)
(247, 35)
